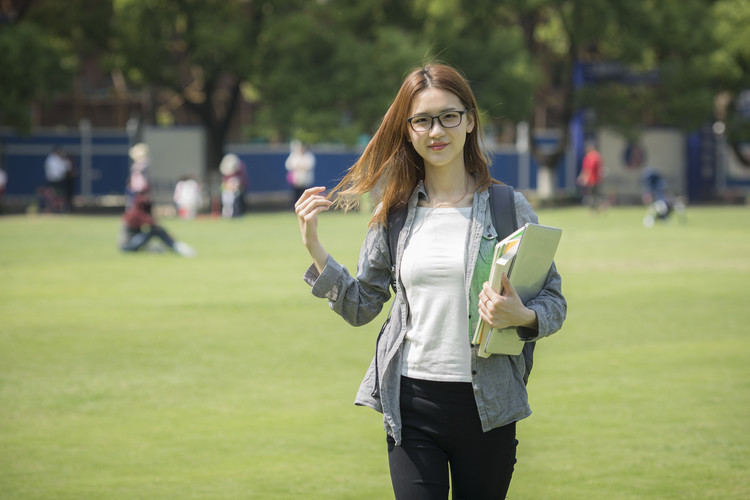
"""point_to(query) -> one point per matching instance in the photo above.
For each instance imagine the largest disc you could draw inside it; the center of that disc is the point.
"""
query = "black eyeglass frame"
(440, 121)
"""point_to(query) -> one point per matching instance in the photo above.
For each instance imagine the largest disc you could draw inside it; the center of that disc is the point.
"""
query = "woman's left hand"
(506, 310)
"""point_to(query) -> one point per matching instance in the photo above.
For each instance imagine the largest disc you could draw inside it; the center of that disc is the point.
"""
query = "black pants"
(442, 430)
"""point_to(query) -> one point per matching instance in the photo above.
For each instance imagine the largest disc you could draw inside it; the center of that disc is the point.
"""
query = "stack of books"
(525, 256)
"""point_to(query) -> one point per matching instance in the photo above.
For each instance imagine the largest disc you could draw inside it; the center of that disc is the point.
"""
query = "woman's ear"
(470, 122)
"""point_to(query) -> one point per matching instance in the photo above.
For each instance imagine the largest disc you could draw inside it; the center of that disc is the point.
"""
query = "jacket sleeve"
(358, 300)
(550, 305)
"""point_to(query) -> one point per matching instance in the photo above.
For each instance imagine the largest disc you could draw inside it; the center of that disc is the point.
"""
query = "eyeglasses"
(424, 123)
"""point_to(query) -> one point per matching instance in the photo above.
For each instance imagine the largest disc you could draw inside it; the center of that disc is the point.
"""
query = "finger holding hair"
(307, 208)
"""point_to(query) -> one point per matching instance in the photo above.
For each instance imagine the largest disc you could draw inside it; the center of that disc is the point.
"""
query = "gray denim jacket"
(499, 388)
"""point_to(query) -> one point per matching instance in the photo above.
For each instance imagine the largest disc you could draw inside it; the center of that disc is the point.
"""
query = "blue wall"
(23, 159)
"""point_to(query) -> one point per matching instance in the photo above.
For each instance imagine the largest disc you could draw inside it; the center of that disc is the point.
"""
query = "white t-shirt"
(187, 193)
(433, 272)
(302, 167)
(55, 167)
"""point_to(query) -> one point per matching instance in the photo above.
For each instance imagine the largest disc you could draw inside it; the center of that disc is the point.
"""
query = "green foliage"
(329, 75)
(80, 26)
(503, 78)
(326, 70)
(491, 55)
(152, 376)
(731, 28)
(34, 68)
(730, 65)
(165, 41)
(42, 50)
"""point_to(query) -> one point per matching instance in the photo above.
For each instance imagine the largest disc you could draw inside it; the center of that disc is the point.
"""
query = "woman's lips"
(438, 146)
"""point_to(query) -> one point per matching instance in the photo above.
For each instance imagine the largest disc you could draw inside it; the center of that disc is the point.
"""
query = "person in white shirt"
(187, 197)
(300, 166)
(138, 179)
(56, 167)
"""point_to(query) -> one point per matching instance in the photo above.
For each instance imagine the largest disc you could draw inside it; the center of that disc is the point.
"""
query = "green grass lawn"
(151, 376)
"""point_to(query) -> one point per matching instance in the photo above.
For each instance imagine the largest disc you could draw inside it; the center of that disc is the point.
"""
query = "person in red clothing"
(139, 226)
(591, 177)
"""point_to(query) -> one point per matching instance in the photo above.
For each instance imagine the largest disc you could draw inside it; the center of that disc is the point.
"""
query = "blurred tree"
(329, 69)
(663, 51)
(82, 26)
(479, 38)
(652, 56)
(33, 69)
(527, 55)
(42, 44)
(326, 70)
(730, 69)
(198, 51)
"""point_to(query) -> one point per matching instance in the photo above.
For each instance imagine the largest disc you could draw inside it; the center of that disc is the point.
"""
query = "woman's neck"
(449, 189)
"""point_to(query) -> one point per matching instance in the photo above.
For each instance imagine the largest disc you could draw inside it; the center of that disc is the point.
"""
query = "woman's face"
(440, 146)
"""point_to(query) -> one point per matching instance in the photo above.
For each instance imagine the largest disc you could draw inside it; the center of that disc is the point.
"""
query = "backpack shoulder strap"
(503, 209)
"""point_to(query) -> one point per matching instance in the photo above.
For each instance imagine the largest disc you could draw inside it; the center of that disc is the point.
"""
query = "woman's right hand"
(307, 208)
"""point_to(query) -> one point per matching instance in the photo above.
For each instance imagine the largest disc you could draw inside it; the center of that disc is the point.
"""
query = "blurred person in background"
(450, 416)
(139, 227)
(187, 197)
(591, 177)
(138, 180)
(300, 166)
(234, 182)
(660, 202)
(56, 168)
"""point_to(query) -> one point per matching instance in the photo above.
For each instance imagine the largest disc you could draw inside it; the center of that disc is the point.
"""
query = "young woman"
(447, 411)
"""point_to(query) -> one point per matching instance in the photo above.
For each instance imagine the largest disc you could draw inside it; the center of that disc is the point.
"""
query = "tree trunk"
(215, 128)
(214, 154)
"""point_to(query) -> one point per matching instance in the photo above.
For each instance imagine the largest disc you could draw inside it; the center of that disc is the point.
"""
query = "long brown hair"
(390, 166)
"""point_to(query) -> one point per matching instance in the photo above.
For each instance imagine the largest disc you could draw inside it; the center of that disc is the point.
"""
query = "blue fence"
(22, 157)
(106, 164)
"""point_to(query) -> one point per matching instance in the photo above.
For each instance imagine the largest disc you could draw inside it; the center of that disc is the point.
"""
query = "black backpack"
(503, 212)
